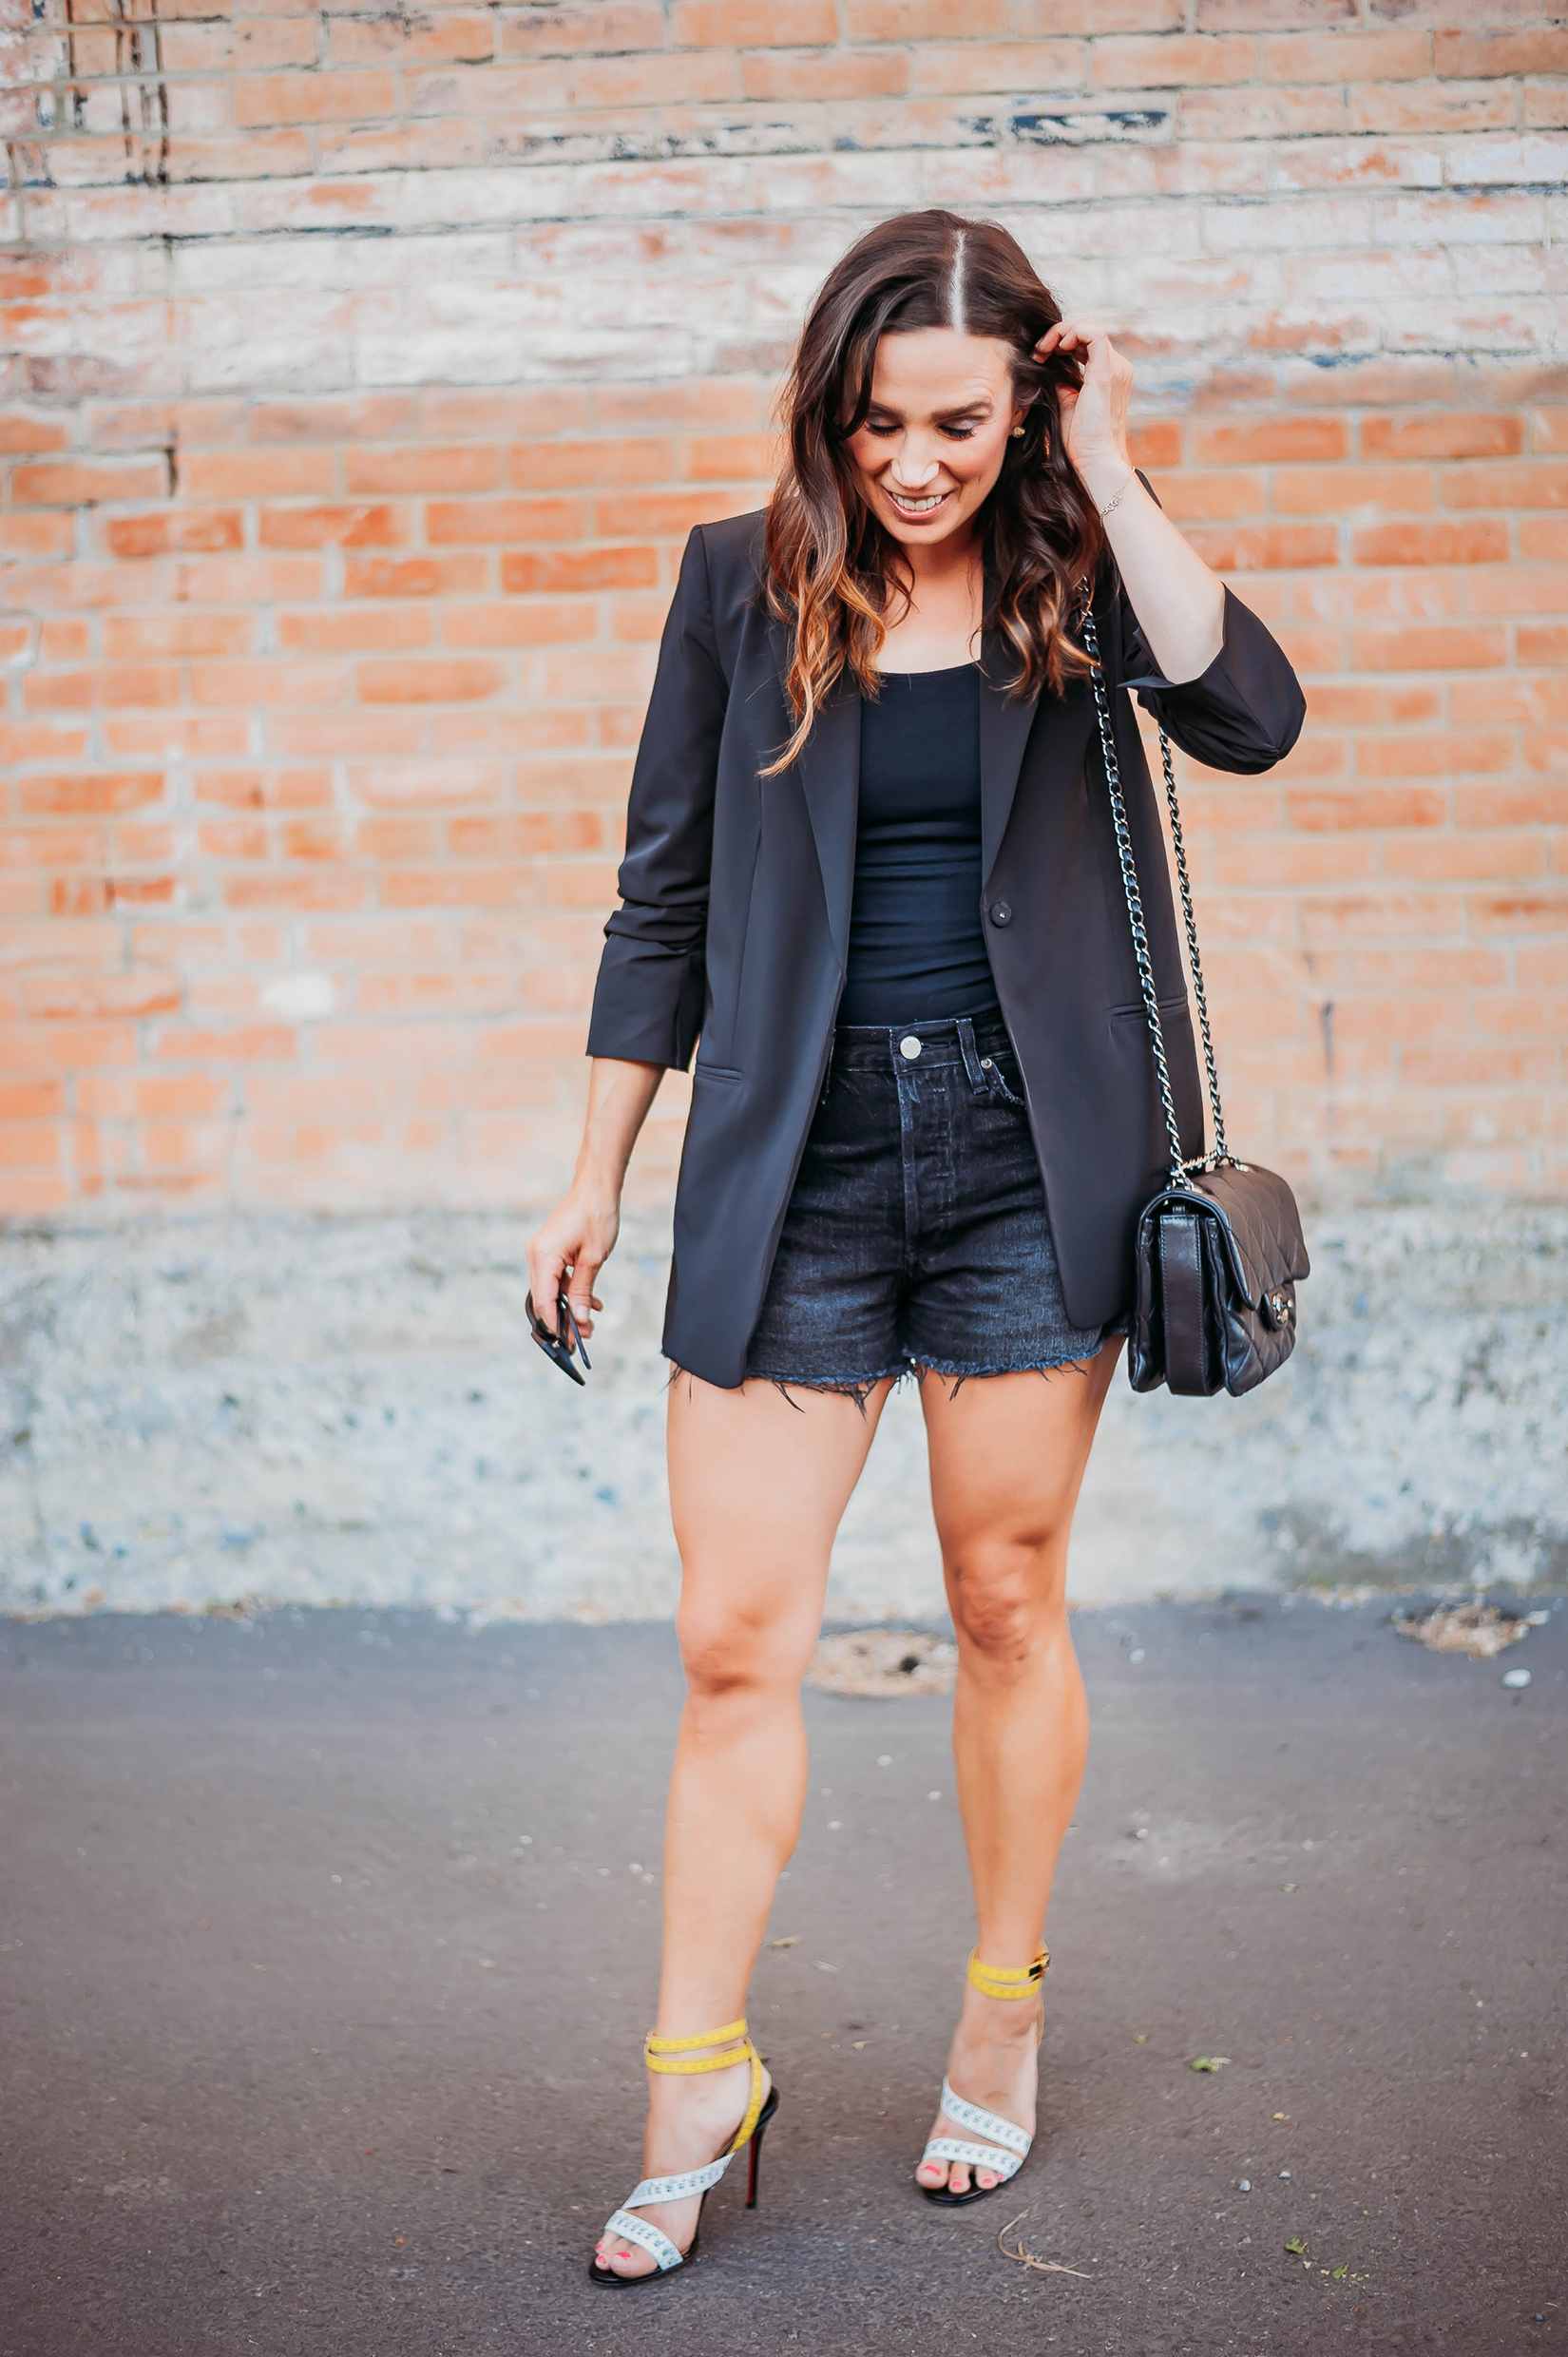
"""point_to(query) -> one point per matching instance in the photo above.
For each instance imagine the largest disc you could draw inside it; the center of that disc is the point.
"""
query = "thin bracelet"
(1132, 475)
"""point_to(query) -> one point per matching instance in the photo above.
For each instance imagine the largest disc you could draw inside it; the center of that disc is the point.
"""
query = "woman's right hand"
(569, 1250)
(579, 1235)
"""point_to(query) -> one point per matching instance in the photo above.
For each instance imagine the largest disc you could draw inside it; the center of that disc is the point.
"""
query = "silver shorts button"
(909, 1045)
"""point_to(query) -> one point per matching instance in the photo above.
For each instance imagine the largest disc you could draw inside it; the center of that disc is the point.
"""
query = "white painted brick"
(1544, 102)
(533, 267)
(146, 212)
(541, 355)
(1288, 224)
(636, 302)
(1196, 169)
(196, 106)
(86, 163)
(1540, 158)
(984, 180)
(1136, 277)
(782, 297)
(1460, 220)
(1512, 270)
(1366, 162)
(802, 240)
(1509, 325)
(1113, 230)
(874, 185)
(412, 258)
(1374, 277)
(232, 265)
(293, 360)
(625, 191)
(102, 110)
(313, 205)
(442, 308)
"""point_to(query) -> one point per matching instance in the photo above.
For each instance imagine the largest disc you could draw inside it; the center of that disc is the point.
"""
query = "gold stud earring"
(1017, 434)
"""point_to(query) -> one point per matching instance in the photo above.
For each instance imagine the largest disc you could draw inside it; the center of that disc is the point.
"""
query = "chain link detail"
(1179, 1167)
(1193, 954)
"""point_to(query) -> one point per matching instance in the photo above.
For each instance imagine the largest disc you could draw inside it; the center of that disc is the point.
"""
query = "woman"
(871, 870)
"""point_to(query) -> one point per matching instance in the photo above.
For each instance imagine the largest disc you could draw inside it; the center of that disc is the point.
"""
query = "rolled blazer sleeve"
(1243, 714)
(649, 999)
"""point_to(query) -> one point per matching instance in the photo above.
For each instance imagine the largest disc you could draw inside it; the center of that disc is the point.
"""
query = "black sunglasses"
(555, 1347)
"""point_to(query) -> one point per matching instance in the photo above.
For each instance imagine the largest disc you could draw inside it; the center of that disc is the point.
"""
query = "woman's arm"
(579, 1235)
(1210, 673)
(1179, 602)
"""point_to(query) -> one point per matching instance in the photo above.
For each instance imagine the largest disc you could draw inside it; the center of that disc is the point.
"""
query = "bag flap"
(1255, 1214)
(1261, 1226)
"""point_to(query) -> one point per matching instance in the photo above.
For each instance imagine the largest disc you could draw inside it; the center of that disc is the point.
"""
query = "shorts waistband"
(877, 1048)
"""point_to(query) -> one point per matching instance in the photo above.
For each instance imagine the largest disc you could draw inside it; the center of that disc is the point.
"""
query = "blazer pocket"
(701, 1071)
(1167, 1007)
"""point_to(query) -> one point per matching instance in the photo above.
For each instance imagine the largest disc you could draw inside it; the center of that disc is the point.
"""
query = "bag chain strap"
(1134, 911)
(1220, 1153)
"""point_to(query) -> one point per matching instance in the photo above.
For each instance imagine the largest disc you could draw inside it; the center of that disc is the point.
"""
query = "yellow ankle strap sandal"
(681, 2058)
(1011, 1983)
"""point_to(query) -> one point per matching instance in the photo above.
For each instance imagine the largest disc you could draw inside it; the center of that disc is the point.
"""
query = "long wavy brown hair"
(835, 573)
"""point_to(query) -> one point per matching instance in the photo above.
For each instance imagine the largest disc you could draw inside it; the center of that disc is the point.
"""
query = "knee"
(729, 1658)
(1007, 1607)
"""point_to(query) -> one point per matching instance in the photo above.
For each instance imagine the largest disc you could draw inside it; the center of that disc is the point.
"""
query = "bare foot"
(691, 2120)
(991, 2062)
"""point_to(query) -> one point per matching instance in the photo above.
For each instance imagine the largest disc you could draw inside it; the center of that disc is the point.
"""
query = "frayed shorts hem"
(859, 1388)
(1020, 1366)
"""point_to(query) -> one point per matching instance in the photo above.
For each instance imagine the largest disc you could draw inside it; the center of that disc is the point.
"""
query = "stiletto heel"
(1011, 1982)
(758, 2111)
(753, 2156)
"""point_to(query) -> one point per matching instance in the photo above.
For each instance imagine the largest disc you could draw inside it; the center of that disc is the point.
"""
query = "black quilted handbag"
(1219, 1252)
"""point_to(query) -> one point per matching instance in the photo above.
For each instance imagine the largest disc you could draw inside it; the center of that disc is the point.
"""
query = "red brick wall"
(366, 370)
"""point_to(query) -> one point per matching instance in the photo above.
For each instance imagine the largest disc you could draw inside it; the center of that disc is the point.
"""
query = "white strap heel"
(1006, 2146)
(988, 2124)
(657, 2052)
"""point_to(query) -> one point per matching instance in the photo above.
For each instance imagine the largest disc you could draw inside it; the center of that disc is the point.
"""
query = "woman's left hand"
(1094, 415)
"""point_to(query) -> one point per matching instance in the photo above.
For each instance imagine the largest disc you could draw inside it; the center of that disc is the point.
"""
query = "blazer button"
(1001, 913)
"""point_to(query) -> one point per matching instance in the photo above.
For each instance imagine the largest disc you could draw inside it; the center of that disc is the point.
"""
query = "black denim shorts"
(916, 1234)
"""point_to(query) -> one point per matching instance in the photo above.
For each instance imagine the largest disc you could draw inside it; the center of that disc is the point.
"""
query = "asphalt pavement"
(327, 1939)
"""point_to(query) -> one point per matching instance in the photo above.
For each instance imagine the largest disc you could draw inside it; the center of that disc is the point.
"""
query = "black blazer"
(734, 916)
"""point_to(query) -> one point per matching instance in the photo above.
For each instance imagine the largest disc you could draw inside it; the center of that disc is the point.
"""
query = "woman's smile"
(916, 506)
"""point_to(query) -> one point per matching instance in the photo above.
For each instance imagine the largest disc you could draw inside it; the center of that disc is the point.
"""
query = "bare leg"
(1007, 1459)
(757, 1484)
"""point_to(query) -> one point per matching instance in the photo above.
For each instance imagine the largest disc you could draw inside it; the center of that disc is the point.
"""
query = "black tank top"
(917, 949)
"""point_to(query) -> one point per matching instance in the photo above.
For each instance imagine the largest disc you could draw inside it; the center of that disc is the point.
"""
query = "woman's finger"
(580, 1292)
(546, 1270)
(1085, 332)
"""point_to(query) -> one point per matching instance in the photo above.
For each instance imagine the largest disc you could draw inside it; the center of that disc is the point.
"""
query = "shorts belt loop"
(971, 1061)
(827, 1068)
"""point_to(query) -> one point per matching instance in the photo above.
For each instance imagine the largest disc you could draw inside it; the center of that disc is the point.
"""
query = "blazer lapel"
(1004, 724)
(1059, 726)
(828, 770)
